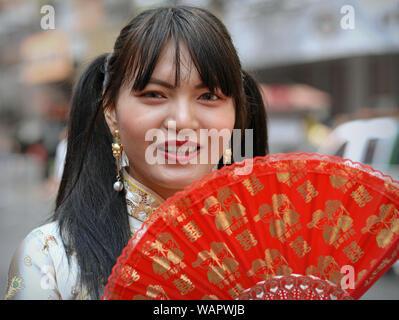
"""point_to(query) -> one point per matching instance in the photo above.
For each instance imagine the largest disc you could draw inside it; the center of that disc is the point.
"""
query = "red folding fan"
(287, 226)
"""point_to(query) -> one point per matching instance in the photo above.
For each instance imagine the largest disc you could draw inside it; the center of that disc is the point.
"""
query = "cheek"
(130, 129)
(132, 135)
(134, 127)
(134, 121)
(220, 118)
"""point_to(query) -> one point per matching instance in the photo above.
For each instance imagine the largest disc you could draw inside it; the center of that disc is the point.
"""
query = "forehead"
(165, 68)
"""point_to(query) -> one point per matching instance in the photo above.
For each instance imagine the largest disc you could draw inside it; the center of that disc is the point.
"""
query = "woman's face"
(161, 105)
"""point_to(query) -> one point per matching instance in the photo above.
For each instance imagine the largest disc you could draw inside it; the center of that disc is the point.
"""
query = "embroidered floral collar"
(141, 201)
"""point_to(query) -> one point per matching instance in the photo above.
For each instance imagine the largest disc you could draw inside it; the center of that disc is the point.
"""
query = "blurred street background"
(329, 71)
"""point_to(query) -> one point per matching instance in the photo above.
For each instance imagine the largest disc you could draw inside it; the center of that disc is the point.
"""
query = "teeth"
(186, 150)
(180, 150)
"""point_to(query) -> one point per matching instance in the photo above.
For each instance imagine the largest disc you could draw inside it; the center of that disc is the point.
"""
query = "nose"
(181, 115)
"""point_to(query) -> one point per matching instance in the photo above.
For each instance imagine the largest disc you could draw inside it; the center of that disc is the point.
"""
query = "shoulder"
(40, 268)
(32, 269)
(39, 249)
(42, 239)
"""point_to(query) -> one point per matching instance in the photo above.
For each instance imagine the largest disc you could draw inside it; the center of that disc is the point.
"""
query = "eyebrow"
(172, 86)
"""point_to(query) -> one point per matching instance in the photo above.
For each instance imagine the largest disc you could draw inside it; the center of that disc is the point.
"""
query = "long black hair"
(92, 217)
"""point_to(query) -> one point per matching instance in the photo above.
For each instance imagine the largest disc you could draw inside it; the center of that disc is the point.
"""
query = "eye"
(209, 96)
(152, 94)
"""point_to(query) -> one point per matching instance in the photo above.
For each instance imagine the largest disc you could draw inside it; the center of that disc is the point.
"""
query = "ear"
(111, 118)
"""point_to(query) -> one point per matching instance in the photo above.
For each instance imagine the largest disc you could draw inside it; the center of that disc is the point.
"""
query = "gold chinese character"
(129, 274)
(253, 185)
(184, 284)
(361, 196)
(353, 252)
(192, 231)
(307, 191)
(246, 239)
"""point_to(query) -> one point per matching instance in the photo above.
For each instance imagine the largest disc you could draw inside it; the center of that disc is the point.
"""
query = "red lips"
(179, 143)
(169, 150)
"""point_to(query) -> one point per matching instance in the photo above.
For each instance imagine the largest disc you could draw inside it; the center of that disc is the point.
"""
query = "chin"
(179, 177)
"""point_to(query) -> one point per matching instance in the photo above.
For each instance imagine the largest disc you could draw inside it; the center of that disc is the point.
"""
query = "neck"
(161, 191)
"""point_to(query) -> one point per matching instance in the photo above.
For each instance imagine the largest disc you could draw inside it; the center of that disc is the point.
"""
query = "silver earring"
(117, 149)
(227, 156)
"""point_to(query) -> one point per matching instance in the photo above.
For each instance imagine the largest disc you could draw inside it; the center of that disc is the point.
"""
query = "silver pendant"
(118, 186)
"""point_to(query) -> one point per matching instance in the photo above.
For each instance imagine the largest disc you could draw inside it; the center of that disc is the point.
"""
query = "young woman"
(172, 69)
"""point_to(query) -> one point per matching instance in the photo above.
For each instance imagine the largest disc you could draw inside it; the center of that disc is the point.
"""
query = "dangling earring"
(227, 156)
(117, 149)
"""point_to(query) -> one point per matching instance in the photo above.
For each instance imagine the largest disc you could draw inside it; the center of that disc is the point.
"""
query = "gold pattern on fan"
(284, 177)
(361, 196)
(335, 222)
(360, 276)
(184, 203)
(129, 275)
(300, 246)
(274, 264)
(307, 191)
(246, 239)
(327, 268)
(293, 164)
(235, 291)
(392, 188)
(179, 212)
(153, 292)
(385, 226)
(184, 284)
(281, 216)
(166, 255)
(232, 175)
(353, 251)
(227, 209)
(253, 185)
(322, 166)
(172, 214)
(192, 231)
(289, 178)
(209, 297)
(220, 264)
(340, 180)
(385, 262)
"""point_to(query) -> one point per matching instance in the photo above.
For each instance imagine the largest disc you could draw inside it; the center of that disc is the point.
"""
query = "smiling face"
(170, 109)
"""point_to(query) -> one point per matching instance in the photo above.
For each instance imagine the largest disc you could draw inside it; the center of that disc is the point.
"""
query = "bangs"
(204, 37)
